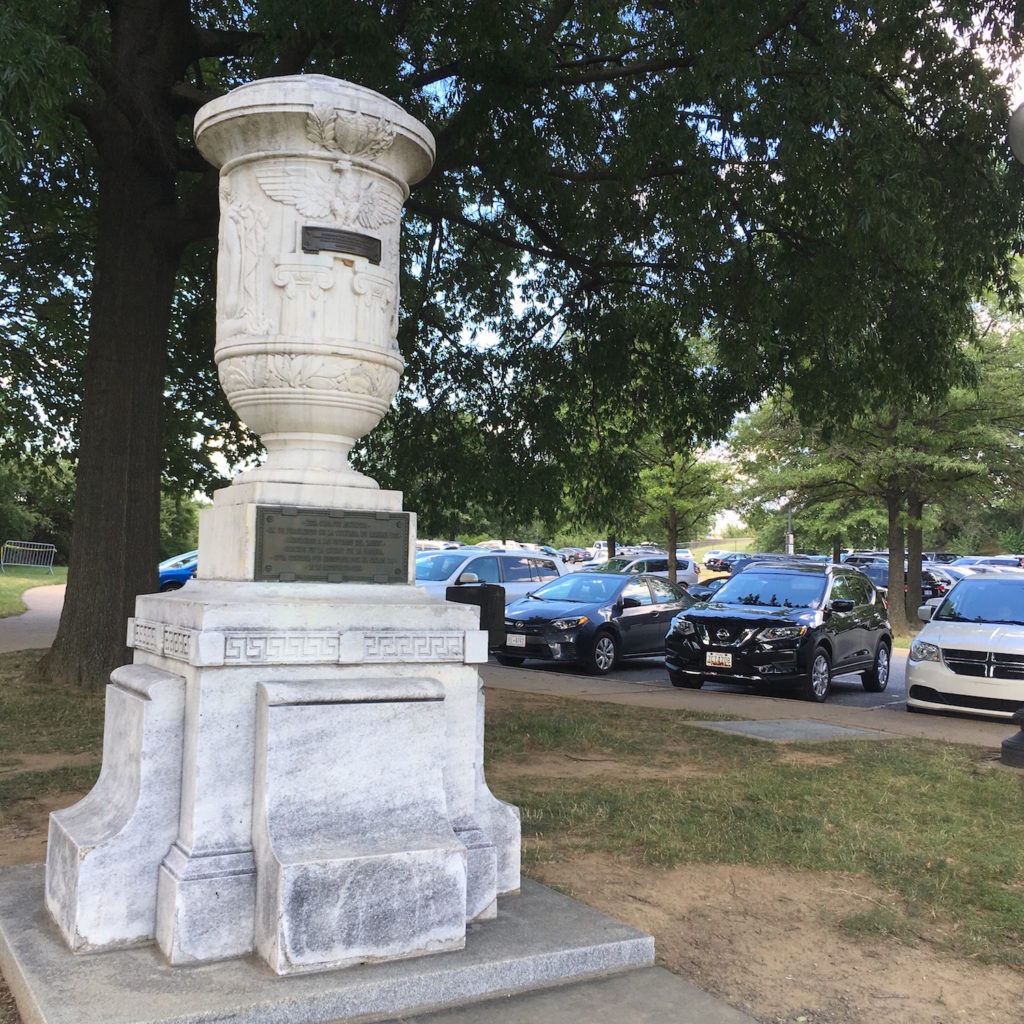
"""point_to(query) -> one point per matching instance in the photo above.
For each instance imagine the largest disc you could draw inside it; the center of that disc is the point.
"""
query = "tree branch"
(217, 42)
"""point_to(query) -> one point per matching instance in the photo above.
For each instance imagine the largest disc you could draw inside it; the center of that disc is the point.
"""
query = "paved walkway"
(36, 628)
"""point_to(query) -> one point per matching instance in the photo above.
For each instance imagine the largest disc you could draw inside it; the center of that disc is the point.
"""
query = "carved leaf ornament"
(354, 134)
(295, 372)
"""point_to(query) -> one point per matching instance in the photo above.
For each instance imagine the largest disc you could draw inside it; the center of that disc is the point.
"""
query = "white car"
(687, 573)
(970, 655)
(518, 572)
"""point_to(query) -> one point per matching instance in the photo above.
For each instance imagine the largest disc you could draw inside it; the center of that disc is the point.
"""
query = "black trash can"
(491, 600)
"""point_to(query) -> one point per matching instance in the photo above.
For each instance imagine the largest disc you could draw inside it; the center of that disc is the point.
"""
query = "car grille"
(964, 701)
(984, 664)
(724, 636)
(528, 628)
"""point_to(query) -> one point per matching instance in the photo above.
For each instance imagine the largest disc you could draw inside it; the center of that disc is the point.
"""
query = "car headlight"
(560, 625)
(921, 650)
(782, 632)
(684, 626)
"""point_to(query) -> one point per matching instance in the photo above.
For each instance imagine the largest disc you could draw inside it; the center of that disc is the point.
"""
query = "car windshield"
(179, 560)
(773, 589)
(878, 574)
(438, 565)
(580, 588)
(985, 599)
(612, 565)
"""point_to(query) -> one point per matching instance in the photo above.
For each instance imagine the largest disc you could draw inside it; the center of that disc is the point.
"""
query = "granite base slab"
(539, 939)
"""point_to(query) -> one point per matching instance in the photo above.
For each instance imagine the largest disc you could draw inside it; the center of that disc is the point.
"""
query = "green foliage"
(36, 499)
(1012, 540)
(641, 216)
(960, 454)
(179, 524)
(680, 493)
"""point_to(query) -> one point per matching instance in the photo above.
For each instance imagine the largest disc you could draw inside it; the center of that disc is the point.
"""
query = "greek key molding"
(413, 646)
(295, 647)
(281, 648)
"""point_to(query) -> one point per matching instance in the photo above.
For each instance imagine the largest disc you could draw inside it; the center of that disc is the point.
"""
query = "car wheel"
(603, 654)
(819, 677)
(168, 587)
(876, 680)
(684, 681)
(510, 660)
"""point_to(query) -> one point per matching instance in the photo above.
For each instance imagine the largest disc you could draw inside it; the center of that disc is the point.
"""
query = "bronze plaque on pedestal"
(331, 545)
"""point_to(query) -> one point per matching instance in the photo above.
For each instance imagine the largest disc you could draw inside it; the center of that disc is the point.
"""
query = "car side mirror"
(630, 602)
(925, 612)
(842, 604)
(468, 577)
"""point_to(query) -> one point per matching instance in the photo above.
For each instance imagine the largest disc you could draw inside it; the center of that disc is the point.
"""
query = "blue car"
(177, 571)
(592, 617)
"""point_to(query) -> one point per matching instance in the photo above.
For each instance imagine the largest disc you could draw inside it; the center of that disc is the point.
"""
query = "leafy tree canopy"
(816, 189)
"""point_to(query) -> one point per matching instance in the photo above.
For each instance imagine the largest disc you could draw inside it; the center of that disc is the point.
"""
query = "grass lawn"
(930, 823)
(14, 581)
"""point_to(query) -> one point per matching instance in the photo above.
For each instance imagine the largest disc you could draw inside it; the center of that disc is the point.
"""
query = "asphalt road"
(846, 690)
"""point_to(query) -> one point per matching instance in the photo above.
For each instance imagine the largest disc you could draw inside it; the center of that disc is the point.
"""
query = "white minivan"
(518, 572)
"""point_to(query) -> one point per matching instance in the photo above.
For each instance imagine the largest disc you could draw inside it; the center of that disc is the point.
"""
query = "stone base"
(539, 939)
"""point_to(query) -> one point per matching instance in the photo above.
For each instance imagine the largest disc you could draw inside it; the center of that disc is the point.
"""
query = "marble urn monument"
(292, 763)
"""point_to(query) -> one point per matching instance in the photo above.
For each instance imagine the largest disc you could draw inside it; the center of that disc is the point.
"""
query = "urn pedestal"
(294, 760)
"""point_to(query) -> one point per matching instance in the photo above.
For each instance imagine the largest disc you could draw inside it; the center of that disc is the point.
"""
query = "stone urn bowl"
(313, 175)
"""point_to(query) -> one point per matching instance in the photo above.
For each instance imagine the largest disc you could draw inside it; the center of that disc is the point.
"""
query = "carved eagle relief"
(335, 195)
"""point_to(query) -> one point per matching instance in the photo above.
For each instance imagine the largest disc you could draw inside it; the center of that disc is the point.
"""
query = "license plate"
(718, 659)
(515, 640)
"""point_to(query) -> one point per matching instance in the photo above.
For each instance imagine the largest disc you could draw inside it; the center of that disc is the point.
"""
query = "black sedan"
(784, 624)
(705, 591)
(594, 618)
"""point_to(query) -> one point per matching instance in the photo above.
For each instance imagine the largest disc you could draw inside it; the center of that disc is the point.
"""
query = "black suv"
(784, 623)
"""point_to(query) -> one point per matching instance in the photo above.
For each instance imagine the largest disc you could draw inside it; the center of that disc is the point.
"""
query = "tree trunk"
(897, 601)
(673, 540)
(115, 540)
(611, 545)
(837, 550)
(915, 508)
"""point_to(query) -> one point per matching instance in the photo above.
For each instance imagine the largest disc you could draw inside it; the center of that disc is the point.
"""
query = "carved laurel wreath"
(294, 372)
(352, 134)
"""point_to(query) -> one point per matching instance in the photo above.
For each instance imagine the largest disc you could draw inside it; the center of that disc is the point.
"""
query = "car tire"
(168, 587)
(603, 654)
(509, 660)
(685, 682)
(819, 677)
(877, 678)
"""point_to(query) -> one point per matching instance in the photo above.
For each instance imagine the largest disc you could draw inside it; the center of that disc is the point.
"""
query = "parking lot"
(846, 690)
(644, 683)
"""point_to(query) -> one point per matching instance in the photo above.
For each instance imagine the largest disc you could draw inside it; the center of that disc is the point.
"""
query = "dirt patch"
(808, 759)
(23, 829)
(770, 942)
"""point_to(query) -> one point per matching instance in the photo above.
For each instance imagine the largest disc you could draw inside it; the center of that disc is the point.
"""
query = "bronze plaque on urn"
(331, 545)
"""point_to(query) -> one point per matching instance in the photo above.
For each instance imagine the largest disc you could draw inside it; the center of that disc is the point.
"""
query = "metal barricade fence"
(28, 553)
